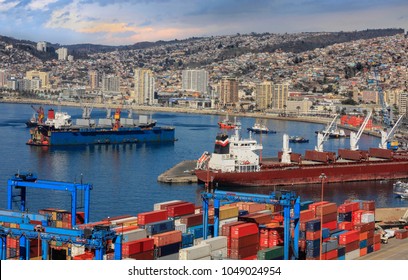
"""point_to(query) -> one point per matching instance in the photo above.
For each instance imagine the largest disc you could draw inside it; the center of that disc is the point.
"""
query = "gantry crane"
(291, 212)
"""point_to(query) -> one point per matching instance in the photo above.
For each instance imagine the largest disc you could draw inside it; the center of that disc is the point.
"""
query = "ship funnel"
(285, 149)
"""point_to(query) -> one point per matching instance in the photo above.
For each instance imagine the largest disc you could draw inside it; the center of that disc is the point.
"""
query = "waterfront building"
(62, 53)
(228, 91)
(279, 96)
(263, 94)
(143, 93)
(195, 80)
(42, 46)
(299, 106)
(3, 78)
(93, 79)
(403, 96)
(111, 84)
(43, 76)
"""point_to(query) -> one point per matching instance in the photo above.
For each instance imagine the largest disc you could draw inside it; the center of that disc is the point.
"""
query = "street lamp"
(322, 177)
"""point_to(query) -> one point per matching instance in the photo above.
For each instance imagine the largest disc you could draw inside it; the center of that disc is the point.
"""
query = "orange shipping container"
(166, 238)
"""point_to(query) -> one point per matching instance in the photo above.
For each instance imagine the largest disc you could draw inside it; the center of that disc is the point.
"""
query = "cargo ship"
(236, 162)
(59, 129)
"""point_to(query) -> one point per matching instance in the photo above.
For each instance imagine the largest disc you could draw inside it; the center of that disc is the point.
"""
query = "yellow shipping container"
(54, 215)
(228, 211)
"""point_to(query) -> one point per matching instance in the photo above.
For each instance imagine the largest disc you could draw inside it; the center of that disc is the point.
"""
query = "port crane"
(40, 113)
(321, 138)
(291, 213)
(387, 136)
(355, 137)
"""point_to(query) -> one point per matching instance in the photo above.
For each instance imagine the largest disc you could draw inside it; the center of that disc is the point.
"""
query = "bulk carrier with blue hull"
(58, 130)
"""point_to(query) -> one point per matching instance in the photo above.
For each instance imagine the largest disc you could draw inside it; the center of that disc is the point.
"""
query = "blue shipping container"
(159, 227)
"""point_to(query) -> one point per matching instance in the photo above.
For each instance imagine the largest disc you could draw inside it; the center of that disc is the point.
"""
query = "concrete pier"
(180, 173)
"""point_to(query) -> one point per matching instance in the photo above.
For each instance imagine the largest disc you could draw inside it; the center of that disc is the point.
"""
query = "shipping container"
(195, 252)
(151, 217)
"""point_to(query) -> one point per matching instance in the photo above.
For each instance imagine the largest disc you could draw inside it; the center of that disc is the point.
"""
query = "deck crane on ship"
(321, 138)
(355, 137)
(387, 136)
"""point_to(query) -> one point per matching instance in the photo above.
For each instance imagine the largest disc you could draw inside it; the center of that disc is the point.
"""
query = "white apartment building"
(195, 80)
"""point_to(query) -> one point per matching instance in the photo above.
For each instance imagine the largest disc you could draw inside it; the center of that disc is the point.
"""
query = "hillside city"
(237, 73)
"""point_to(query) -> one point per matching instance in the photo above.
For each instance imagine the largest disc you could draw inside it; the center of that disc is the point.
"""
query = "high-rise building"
(42, 46)
(111, 84)
(62, 53)
(43, 76)
(3, 78)
(93, 79)
(195, 80)
(228, 90)
(279, 96)
(144, 87)
(403, 102)
(263, 95)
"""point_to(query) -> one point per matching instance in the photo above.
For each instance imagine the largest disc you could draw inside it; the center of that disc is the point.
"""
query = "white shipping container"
(77, 250)
(156, 206)
(216, 243)
(219, 254)
(195, 252)
(367, 218)
(124, 220)
(353, 255)
(181, 227)
(226, 221)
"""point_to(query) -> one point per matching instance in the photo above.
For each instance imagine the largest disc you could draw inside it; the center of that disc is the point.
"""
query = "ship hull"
(307, 174)
(92, 136)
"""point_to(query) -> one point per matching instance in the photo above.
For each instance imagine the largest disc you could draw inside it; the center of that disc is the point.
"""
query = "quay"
(182, 172)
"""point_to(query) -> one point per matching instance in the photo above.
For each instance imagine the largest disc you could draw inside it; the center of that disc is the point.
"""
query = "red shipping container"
(306, 215)
(302, 245)
(331, 255)
(370, 241)
(368, 205)
(147, 255)
(313, 235)
(226, 228)
(244, 230)
(314, 205)
(377, 238)
(349, 237)
(166, 205)
(244, 252)
(167, 238)
(356, 216)
(346, 225)
(237, 243)
(250, 258)
(363, 235)
(348, 207)
(362, 227)
(132, 247)
(401, 234)
(377, 246)
(330, 225)
(363, 251)
(352, 246)
(325, 209)
(180, 209)
(151, 217)
(192, 219)
(329, 218)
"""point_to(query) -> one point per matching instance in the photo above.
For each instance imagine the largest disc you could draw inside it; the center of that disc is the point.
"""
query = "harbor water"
(124, 177)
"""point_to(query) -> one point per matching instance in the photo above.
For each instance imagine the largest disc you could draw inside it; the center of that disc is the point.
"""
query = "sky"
(125, 22)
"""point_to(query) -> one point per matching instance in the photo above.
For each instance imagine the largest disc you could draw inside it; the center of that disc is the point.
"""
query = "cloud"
(5, 5)
(40, 4)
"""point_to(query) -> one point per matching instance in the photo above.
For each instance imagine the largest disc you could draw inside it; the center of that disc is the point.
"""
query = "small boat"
(260, 128)
(228, 124)
(298, 139)
(401, 189)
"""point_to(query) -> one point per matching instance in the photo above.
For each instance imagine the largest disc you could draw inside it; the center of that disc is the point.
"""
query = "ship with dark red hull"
(235, 162)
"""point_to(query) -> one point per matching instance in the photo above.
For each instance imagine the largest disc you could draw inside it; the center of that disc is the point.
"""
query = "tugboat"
(298, 139)
(228, 124)
(401, 189)
(260, 128)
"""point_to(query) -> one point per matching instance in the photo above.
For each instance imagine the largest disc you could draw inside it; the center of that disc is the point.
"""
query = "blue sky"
(122, 22)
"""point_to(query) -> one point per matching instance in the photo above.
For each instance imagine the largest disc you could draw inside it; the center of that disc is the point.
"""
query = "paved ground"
(396, 249)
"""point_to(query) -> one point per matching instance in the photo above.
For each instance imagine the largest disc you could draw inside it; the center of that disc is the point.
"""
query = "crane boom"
(385, 137)
(321, 138)
(355, 137)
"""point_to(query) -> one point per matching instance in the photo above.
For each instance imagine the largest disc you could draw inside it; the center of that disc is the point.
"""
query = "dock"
(182, 172)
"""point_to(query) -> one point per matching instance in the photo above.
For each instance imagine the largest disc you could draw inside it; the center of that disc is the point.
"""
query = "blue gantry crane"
(35, 226)
(287, 199)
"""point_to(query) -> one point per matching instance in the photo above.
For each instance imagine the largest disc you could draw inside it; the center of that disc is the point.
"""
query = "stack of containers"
(197, 252)
(13, 247)
(140, 249)
(167, 243)
(244, 242)
(218, 246)
(61, 218)
(270, 236)
(226, 231)
(305, 216)
(313, 234)
(328, 214)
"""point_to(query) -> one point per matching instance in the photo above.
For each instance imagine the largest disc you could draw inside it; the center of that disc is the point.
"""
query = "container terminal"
(228, 225)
